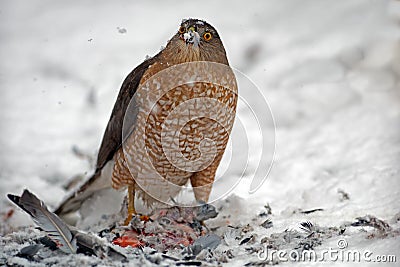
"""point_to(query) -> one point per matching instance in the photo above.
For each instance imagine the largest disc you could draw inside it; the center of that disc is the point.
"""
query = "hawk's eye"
(207, 36)
(182, 29)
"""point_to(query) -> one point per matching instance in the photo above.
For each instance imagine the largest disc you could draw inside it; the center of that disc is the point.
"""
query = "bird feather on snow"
(55, 228)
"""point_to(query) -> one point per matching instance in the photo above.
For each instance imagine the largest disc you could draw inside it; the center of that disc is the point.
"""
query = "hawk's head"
(196, 40)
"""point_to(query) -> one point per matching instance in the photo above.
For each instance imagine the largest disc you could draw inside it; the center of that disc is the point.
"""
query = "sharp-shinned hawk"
(170, 123)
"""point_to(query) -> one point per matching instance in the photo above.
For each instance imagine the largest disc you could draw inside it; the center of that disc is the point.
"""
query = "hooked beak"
(191, 37)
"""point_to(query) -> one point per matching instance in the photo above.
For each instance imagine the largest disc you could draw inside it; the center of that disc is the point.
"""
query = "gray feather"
(55, 228)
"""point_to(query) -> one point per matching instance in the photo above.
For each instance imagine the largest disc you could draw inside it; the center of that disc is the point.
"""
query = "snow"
(329, 71)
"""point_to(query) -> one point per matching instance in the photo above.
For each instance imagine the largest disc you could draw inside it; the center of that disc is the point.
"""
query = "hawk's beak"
(191, 37)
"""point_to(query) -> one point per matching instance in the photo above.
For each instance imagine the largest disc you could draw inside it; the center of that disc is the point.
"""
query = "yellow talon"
(131, 204)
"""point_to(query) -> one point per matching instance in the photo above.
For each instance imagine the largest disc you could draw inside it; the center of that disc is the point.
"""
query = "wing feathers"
(112, 138)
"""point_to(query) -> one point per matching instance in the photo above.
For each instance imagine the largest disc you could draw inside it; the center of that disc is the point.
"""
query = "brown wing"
(112, 139)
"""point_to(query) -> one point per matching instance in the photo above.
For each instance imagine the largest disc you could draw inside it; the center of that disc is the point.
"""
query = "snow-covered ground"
(330, 71)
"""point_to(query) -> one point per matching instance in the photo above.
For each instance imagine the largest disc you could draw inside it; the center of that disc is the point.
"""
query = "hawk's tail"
(75, 200)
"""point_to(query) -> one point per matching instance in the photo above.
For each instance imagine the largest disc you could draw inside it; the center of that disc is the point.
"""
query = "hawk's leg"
(131, 203)
(203, 180)
(202, 183)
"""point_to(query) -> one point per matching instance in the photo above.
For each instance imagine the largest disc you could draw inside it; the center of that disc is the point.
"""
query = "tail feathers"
(98, 181)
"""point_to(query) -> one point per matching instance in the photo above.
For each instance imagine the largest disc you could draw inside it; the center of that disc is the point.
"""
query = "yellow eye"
(182, 29)
(207, 36)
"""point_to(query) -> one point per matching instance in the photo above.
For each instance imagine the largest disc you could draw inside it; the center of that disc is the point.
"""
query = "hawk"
(170, 123)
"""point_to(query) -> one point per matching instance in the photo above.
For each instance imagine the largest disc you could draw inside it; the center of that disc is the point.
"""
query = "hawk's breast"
(182, 127)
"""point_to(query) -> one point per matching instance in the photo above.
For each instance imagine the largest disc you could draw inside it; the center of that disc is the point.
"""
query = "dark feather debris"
(267, 224)
(372, 221)
(29, 251)
(310, 211)
(307, 227)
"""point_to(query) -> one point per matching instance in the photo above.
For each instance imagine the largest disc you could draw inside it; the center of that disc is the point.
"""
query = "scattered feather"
(121, 30)
(307, 227)
(54, 227)
(47, 242)
(231, 236)
(205, 212)
(189, 263)
(310, 211)
(246, 240)
(29, 251)
(343, 195)
(267, 212)
(372, 221)
(92, 245)
(209, 241)
(267, 224)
